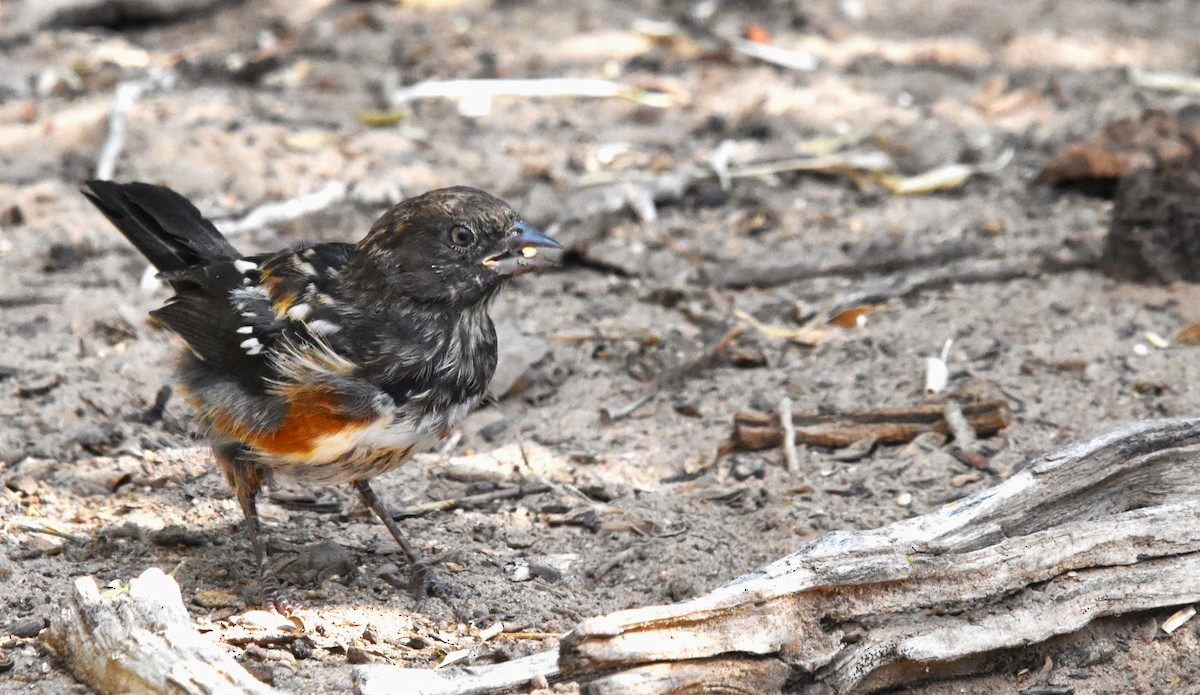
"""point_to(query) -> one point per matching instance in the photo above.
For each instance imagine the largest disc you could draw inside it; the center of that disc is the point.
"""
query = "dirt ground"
(257, 102)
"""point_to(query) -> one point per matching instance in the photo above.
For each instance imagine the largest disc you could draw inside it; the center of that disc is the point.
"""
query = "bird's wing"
(240, 315)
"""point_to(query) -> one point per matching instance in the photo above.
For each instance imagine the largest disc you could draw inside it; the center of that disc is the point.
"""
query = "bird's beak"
(523, 252)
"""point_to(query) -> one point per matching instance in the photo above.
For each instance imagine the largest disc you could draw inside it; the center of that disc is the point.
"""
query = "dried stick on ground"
(1107, 526)
(755, 431)
(142, 640)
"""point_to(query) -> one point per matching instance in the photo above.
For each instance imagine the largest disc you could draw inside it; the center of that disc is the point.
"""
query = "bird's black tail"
(168, 230)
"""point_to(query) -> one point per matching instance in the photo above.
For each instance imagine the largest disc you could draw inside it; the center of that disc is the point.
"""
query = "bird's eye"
(462, 236)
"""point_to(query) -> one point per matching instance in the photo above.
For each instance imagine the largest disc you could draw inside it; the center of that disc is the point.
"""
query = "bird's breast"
(362, 450)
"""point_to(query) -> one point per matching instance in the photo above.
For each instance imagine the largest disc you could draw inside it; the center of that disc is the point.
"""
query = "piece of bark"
(1103, 527)
(753, 430)
(142, 640)
(1155, 141)
(384, 679)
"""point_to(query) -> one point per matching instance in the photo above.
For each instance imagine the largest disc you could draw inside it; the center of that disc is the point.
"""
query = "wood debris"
(943, 178)
(475, 95)
(754, 431)
(141, 640)
(1165, 80)
(1103, 527)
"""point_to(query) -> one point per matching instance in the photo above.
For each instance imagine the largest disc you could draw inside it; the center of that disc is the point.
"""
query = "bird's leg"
(246, 479)
(272, 590)
(421, 582)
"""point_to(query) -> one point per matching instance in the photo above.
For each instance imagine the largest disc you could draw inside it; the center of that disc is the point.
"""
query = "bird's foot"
(274, 597)
(424, 583)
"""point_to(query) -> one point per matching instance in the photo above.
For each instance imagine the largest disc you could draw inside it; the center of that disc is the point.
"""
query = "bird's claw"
(424, 583)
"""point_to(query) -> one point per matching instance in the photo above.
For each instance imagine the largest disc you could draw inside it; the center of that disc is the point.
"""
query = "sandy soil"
(269, 100)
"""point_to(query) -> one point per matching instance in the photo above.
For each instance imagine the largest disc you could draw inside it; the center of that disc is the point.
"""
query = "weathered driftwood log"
(1103, 527)
(142, 641)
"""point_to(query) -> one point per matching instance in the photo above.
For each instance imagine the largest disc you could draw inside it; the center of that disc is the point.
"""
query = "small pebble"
(357, 655)
(495, 430)
(964, 479)
(27, 627)
(521, 572)
(546, 572)
(904, 499)
(680, 588)
(371, 634)
(301, 648)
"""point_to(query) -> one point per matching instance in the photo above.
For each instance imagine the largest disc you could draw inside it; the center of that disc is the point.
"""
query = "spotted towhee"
(330, 362)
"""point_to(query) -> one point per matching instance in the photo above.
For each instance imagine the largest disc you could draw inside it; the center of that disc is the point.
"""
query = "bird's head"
(453, 246)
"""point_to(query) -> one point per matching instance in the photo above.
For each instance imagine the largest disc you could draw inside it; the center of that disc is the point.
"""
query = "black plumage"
(330, 362)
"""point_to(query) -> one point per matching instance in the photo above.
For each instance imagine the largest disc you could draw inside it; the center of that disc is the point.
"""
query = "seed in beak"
(529, 251)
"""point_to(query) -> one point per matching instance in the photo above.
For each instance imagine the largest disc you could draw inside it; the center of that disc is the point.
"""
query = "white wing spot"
(245, 330)
(306, 268)
(251, 346)
(244, 266)
(299, 312)
(323, 326)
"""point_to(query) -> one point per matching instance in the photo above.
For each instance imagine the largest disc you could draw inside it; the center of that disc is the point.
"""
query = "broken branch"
(141, 640)
(754, 431)
(1102, 527)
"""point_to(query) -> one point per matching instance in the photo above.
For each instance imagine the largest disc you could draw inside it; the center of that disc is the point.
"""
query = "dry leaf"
(1190, 335)
(756, 33)
(854, 317)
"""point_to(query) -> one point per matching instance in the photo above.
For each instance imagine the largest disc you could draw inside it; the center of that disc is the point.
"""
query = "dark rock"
(495, 430)
(27, 627)
(120, 14)
(176, 535)
(357, 655)
(318, 562)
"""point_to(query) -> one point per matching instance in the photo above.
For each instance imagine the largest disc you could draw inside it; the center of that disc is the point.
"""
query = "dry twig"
(755, 431)
(470, 501)
(789, 437)
(476, 94)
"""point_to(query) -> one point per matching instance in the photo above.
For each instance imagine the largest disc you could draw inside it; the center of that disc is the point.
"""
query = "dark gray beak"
(523, 252)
